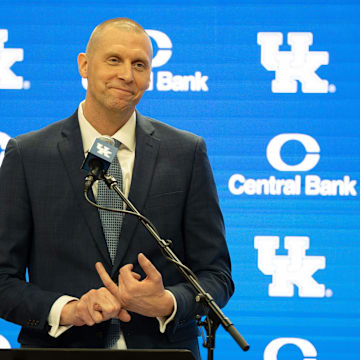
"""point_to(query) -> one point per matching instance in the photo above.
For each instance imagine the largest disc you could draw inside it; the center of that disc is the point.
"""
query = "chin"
(116, 105)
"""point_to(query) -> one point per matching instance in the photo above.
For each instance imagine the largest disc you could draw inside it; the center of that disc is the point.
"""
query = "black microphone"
(98, 159)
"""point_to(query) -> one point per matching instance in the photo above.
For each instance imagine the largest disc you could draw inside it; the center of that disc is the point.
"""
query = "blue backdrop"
(273, 87)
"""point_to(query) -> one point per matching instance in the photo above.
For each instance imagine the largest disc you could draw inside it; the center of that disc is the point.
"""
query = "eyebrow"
(137, 57)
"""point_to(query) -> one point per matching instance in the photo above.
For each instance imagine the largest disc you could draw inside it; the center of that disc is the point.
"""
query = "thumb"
(149, 269)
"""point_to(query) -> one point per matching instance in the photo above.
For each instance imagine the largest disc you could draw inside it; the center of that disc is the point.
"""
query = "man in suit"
(48, 229)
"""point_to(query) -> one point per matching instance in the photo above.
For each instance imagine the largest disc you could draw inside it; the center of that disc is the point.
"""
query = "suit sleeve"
(206, 250)
(20, 302)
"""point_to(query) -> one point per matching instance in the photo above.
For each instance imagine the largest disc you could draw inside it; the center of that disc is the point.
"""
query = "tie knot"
(117, 143)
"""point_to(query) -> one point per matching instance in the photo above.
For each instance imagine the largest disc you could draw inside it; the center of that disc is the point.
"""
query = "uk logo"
(295, 268)
(103, 150)
(8, 57)
(299, 64)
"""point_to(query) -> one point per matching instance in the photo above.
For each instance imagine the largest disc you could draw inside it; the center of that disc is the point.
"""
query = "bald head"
(124, 24)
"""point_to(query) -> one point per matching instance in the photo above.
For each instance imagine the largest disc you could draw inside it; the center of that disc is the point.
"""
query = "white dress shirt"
(126, 155)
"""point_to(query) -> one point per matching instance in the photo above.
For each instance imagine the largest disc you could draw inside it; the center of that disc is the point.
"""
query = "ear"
(83, 65)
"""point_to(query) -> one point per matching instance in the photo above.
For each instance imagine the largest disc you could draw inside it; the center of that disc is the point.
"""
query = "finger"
(105, 278)
(107, 308)
(83, 313)
(149, 269)
(107, 300)
(97, 307)
(126, 268)
(136, 275)
(126, 275)
(96, 316)
(86, 318)
(133, 273)
(110, 309)
(124, 315)
(128, 281)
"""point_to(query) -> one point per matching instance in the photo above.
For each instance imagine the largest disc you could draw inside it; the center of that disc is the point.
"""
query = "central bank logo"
(166, 80)
(8, 57)
(295, 268)
(312, 185)
(307, 348)
(299, 64)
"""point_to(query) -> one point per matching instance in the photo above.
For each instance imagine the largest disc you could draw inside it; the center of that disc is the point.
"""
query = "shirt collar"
(126, 134)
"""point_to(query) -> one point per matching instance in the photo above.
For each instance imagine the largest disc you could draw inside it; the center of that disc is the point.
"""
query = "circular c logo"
(306, 347)
(312, 157)
(164, 45)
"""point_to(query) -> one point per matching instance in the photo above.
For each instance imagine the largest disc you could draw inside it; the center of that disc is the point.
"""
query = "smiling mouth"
(125, 91)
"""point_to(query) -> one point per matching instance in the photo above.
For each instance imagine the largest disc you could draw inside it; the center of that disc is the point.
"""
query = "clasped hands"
(146, 297)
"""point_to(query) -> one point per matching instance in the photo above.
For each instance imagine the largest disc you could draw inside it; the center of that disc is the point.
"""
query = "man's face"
(118, 69)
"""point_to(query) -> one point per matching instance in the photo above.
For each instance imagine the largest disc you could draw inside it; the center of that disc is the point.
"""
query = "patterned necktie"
(111, 223)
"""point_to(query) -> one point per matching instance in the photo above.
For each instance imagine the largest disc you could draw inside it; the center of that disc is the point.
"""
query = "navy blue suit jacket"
(48, 228)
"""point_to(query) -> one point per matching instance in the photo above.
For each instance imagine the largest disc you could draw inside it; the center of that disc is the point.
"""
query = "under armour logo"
(8, 80)
(296, 268)
(298, 64)
(103, 150)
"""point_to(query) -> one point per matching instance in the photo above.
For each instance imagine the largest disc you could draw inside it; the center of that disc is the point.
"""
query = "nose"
(125, 72)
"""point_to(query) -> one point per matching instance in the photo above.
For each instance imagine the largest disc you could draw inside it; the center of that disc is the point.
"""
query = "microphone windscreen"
(103, 150)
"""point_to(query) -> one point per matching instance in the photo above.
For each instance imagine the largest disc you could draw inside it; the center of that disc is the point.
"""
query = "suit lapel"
(72, 153)
(147, 147)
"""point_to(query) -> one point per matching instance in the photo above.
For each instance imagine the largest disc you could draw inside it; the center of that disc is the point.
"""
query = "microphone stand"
(215, 316)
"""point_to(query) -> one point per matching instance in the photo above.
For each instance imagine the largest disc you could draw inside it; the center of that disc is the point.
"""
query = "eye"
(139, 66)
(113, 60)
